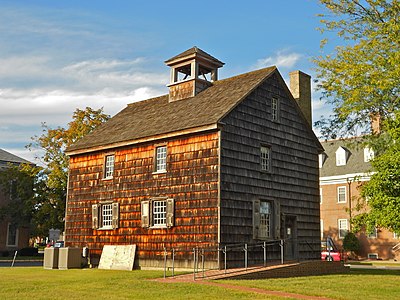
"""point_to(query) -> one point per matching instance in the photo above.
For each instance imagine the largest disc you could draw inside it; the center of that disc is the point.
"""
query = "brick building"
(344, 167)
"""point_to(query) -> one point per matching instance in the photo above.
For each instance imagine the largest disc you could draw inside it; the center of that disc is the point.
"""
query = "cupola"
(192, 72)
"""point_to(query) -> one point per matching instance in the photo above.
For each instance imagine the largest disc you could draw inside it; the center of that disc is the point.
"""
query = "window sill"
(159, 172)
(158, 227)
(108, 178)
(105, 228)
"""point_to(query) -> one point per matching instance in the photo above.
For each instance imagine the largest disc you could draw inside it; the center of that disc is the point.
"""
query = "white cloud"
(281, 59)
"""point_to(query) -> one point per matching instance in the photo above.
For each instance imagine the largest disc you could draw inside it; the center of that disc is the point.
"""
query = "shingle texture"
(7, 157)
(159, 116)
(355, 162)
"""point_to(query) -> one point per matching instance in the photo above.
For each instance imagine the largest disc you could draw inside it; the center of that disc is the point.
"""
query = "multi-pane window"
(373, 234)
(275, 109)
(159, 212)
(322, 228)
(109, 166)
(341, 156)
(265, 219)
(161, 159)
(341, 194)
(368, 154)
(265, 158)
(320, 195)
(343, 228)
(12, 235)
(106, 216)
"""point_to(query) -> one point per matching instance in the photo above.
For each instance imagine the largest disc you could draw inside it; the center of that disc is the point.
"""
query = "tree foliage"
(383, 189)
(361, 77)
(45, 207)
(351, 243)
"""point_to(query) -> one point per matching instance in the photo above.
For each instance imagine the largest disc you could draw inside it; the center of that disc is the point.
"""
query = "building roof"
(355, 163)
(192, 52)
(158, 116)
(7, 157)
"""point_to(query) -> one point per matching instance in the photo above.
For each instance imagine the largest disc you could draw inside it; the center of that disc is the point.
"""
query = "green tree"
(351, 243)
(51, 183)
(18, 188)
(383, 189)
(361, 80)
(361, 77)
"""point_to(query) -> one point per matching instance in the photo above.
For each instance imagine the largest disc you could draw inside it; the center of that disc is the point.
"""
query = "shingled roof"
(7, 157)
(355, 162)
(159, 116)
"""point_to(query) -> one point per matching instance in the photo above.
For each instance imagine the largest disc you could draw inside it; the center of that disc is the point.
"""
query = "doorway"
(290, 236)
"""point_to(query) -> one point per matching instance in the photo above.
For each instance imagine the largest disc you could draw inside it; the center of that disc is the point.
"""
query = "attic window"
(368, 154)
(341, 156)
(321, 159)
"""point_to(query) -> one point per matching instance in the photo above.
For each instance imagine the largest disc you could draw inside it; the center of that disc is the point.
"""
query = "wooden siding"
(293, 180)
(191, 180)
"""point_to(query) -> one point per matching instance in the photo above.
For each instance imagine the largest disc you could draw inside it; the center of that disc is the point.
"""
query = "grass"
(359, 284)
(35, 282)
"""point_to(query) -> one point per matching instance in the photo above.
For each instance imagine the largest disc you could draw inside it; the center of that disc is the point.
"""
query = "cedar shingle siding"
(213, 174)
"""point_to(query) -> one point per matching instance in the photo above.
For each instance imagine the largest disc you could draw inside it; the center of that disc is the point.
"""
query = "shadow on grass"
(374, 272)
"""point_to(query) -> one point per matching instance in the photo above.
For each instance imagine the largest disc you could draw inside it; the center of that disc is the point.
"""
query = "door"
(290, 236)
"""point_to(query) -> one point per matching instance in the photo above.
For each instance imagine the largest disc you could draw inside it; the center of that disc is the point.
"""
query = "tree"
(18, 187)
(351, 243)
(383, 189)
(51, 181)
(362, 77)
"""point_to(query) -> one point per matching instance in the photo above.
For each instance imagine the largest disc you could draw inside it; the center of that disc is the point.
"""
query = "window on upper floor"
(157, 213)
(341, 194)
(368, 154)
(321, 159)
(341, 156)
(109, 166)
(320, 195)
(265, 158)
(105, 215)
(275, 109)
(373, 234)
(12, 235)
(161, 159)
(321, 222)
(343, 228)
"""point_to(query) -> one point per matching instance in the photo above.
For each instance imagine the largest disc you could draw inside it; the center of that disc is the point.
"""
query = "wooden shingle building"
(213, 163)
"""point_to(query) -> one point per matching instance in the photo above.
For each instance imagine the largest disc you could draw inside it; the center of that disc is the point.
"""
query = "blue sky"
(56, 56)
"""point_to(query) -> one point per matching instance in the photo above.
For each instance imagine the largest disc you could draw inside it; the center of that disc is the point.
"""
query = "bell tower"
(192, 72)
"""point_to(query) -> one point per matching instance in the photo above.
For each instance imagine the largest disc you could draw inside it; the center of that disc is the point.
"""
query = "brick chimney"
(375, 122)
(192, 72)
(300, 87)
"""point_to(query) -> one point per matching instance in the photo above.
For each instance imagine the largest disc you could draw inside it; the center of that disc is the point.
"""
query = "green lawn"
(37, 283)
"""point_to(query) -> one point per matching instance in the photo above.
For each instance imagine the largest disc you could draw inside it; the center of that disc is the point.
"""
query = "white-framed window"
(341, 156)
(158, 213)
(341, 194)
(320, 195)
(395, 236)
(368, 154)
(161, 159)
(343, 228)
(275, 109)
(12, 235)
(105, 215)
(322, 228)
(373, 234)
(266, 220)
(321, 159)
(265, 158)
(109, 166)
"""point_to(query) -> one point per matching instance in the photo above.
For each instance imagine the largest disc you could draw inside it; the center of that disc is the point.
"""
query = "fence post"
(165, 262)
(225, 258)
(15, 256)
(173, 262)
(265, 253)
(202, 260)
(194, 263)
(245, 256)
(281, 245)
